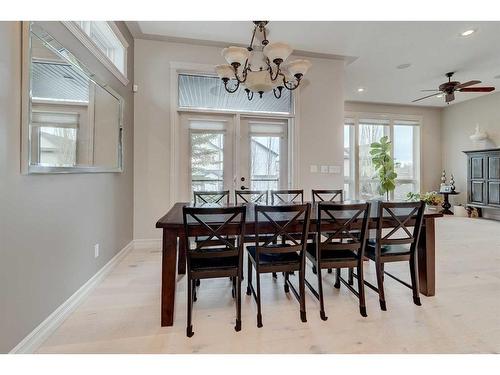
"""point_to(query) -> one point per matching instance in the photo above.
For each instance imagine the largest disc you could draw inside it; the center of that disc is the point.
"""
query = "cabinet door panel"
(494, 193)
(494, 167)
(477, 192)
(477, 167)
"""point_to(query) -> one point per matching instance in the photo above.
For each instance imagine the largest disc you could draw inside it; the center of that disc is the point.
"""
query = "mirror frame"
(26, 167)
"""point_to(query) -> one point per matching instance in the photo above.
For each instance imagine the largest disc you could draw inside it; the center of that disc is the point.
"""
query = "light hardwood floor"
(122, 315)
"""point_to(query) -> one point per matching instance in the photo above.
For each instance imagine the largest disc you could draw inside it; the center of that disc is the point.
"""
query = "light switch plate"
(324, 169)
(314, 169)
(334, 169)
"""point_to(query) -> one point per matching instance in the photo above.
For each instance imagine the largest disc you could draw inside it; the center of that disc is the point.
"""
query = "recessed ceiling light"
(361, 89)
(468, 32)
(403, 66)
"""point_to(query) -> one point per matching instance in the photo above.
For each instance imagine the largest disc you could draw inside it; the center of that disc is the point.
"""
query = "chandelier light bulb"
(277, 52)
(225, 71)
(238, 55)
(298, 67)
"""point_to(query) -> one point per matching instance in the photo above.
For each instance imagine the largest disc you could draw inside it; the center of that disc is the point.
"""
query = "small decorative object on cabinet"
(483, 179)
(480, 139)
(443, 178)
(452, 183)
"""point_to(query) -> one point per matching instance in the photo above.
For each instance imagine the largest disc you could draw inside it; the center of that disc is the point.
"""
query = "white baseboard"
(148, 243)
(31, 342)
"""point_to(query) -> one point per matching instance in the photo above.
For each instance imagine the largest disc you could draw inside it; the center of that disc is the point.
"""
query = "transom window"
(207, 92)
(360, 131)
(106, 39)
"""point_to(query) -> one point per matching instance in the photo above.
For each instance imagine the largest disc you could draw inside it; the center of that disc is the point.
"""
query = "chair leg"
(302, 291)
(249, 276)
(383, 271)
(330, 270)
(350, 280)
(337, 278)
(275, 276)
(361, 290)
(285, 285)
(414, 281)
(193, 283)
(314, 269)
(380, 284)
(259, 310)
(237, 327)
(197, 282)
(320, 292)
(189, 328)
(233, 290)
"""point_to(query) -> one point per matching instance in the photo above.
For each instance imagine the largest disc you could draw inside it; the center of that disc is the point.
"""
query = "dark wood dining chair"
(271, 257)
(340, 243)
(287, 196)
(398, 244)
(211, 198)
(336, 195)
(251, 196)
(205, 261)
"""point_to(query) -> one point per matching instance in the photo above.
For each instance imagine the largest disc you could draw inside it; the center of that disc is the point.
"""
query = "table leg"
(169, 258)
(181, 263)
(427, 259)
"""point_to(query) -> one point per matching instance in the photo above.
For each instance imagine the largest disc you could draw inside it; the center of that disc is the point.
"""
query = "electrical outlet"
(334, 169)
(96, 250)
(324, 169)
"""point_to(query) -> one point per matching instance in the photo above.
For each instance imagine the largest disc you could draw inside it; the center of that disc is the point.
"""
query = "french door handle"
(243, 187)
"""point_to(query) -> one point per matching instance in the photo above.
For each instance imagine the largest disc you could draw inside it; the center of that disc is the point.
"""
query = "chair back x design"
(342, 227)
(287, 196)
(211, 198)
(400, 216)
(251, 196)
(336, 195)
(281, 222)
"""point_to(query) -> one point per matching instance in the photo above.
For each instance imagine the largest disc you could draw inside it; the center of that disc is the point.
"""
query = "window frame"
(87, 41)
(392, 119)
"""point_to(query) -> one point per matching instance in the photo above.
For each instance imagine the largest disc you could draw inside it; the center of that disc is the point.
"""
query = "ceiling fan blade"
(425, 97)
(467, 84)
(478, 89)
(450, 97)
(430, 90)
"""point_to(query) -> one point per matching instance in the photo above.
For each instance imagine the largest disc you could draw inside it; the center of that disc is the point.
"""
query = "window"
(267, 148)
(349, 170)
(56, 135)
(208, 92)
(207, 155)
(360, 178)
(106, 42)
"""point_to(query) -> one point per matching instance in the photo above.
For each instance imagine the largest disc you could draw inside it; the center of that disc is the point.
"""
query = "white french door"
(263, 164)
(231, 152)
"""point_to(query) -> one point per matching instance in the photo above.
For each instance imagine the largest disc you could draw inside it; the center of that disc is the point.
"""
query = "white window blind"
(208, 92)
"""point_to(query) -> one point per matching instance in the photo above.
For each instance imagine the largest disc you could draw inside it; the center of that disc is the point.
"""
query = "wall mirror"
(72, 122)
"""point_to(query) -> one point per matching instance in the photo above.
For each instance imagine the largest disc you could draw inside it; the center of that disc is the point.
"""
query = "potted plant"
(384, 165)
(432, 199)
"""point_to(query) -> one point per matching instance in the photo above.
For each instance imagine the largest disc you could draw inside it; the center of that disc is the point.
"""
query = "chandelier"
(275, 75)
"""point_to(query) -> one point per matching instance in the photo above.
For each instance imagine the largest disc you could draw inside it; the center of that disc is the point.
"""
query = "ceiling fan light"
(236, 55)
(298, 67)
(277, 52)
(225, 71)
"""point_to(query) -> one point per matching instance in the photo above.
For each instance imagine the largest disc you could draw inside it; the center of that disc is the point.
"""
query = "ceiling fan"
(449, 88)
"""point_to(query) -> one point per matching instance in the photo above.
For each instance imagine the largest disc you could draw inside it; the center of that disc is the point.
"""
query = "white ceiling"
(432, 48)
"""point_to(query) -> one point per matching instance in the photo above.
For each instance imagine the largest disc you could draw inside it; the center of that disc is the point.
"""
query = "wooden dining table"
(173, 238)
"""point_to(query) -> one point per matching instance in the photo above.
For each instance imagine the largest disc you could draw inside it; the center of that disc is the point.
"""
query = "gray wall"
(50, 223)
(458, 123)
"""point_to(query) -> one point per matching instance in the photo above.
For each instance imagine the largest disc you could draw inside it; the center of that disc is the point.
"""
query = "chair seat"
(262, 238)
(332, 255)
(216, 262)
(274, 258)
(386, 250)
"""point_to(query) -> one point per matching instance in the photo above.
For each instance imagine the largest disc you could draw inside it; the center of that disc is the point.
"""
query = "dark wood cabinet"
(483, 178)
